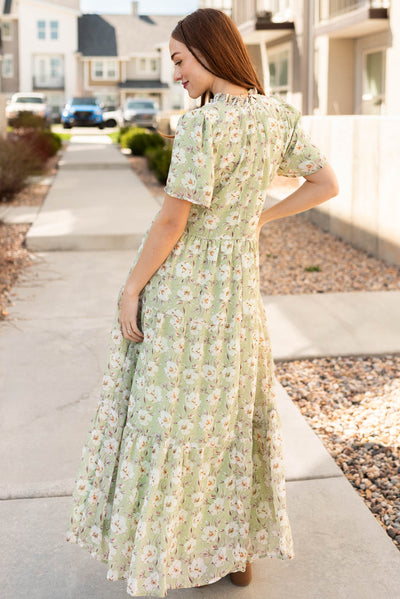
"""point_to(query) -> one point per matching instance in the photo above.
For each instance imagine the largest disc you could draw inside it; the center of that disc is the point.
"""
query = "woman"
(181, 479)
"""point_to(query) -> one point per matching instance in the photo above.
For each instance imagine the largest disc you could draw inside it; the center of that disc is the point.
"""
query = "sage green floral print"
(181, 479)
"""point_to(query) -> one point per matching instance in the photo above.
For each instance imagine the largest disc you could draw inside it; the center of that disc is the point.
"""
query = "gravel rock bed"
(291, 245)
(353, 404)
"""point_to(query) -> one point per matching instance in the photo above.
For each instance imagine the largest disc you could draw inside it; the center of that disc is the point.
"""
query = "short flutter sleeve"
(191, 173)
(301, 156)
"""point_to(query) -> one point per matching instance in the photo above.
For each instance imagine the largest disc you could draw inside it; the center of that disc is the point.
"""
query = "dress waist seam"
(220, 239)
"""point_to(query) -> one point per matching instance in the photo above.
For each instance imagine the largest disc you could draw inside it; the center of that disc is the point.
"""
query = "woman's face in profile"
(193, 76)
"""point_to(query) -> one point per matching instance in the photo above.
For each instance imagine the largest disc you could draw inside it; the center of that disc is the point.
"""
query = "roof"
(123, 35)
(143, 84)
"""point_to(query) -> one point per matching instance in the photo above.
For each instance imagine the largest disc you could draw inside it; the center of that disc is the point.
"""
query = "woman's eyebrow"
(172, 57)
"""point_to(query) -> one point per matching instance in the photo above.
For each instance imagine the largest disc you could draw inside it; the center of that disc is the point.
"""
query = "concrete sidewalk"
(96, 202)
(334, 324)
(52, 357)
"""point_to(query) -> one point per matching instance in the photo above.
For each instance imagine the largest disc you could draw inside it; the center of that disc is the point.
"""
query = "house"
(41, 49)
(123, 56)
(49, 46)
(9, 63)
(326, 56)
(356, 57)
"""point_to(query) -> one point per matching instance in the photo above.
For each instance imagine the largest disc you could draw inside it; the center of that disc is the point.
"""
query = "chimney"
(135, 8)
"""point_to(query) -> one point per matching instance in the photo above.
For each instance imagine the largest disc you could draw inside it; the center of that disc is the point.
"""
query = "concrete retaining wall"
(365, 154)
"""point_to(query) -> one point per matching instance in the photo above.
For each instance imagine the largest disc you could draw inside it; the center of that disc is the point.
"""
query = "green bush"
(159, 160)
(28, 120)
(121, 131)
(127, 133)
(17, 162)
(138, 140)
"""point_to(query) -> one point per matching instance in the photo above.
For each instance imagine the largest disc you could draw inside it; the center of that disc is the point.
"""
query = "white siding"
(30, 12)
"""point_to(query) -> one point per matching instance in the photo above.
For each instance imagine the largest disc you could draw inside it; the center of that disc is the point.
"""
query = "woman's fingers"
(130, 331)
(128, 316)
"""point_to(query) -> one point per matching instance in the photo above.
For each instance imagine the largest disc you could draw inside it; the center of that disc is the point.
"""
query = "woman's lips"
(185, 84)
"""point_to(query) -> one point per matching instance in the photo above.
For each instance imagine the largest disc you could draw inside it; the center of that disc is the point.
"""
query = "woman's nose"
(177, 75)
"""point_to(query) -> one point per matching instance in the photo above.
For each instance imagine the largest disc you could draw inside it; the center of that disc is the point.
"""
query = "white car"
(35, 103)
(112, 117)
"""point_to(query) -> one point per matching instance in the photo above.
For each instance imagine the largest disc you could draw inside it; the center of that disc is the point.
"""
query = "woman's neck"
(220, 86)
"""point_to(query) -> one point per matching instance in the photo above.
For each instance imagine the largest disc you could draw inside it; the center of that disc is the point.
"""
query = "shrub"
(16, 163)
(121, 131)
(127, 133)
(159, 160)
(28, 120)
(138, 140)
(42, 144)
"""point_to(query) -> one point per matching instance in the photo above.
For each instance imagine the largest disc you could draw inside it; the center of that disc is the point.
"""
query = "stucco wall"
(10, 85)
(363, 150)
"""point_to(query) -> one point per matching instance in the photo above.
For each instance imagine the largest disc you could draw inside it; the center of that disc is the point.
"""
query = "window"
(48, 71)
(373, 82)
(54, 30)
(55, 68)
(105, 69)
(8, 65)
(278, 63)
(98, 69)
(111, 69)
(41, 30)
(6, 31)
(148, 65)
(279, 6)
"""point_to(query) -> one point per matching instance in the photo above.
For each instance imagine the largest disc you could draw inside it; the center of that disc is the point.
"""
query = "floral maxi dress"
(181, 478)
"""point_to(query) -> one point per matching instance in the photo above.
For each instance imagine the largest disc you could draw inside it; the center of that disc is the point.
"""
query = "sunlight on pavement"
(90, 139)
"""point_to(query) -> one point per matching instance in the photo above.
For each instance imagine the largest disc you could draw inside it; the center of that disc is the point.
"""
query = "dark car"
(85, 112)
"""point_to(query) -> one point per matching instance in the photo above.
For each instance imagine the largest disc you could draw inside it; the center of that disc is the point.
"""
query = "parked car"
(112, 116)
(140, 112)
(84, 112)
(35, 103)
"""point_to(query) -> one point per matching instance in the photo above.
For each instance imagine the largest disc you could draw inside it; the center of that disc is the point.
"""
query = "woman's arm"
(318, 188)
(164, 233)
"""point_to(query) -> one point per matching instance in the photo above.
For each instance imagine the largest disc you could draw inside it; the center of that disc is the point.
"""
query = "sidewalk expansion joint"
(18, 496)
(52, 494)
(316, 477)
(95, 166)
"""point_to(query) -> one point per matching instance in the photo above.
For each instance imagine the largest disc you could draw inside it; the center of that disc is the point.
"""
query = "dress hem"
(235, 567)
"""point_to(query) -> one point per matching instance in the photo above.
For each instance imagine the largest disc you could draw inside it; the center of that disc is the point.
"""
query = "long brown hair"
(212, 33)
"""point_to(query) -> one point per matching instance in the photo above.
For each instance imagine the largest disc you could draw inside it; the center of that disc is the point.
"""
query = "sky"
(146, 7)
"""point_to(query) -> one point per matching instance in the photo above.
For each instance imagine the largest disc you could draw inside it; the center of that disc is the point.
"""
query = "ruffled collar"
(233, 98)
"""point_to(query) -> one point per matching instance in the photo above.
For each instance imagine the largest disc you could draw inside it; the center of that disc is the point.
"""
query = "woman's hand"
(128, 317)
